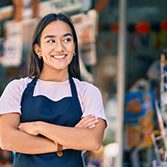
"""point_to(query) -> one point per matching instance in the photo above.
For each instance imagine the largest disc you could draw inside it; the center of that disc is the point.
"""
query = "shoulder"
(11, 97)
(17, 85)
(22, 82)
(87, 89)
(91, 99)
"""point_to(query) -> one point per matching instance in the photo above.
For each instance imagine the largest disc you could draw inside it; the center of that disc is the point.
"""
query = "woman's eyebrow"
(49, 36)
(67, 34)
(53, 36)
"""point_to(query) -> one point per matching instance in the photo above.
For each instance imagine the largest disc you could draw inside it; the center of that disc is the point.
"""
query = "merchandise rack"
(160, 139)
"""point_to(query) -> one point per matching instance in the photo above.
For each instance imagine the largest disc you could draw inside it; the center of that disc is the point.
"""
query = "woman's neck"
(57, 76)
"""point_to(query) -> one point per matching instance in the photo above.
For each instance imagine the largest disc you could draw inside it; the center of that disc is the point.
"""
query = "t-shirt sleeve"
(11, 98)
(92, 102)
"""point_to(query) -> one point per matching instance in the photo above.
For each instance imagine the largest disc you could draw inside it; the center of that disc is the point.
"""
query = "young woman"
(52, 109)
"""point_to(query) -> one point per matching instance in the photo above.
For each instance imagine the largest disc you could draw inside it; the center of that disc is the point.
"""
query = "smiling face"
(56, 48)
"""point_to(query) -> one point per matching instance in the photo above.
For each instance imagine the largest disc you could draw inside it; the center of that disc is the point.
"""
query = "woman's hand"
(29, 127)
(89, 121)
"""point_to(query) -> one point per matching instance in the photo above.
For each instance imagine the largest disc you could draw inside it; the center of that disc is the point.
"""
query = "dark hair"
(36, 64)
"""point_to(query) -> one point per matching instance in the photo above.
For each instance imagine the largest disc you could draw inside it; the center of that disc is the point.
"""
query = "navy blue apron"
(65, 112)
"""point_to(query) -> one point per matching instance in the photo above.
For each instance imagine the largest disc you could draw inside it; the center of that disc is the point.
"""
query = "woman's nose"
(59, 46)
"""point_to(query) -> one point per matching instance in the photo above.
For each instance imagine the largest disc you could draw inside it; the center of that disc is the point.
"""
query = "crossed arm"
(24, 138)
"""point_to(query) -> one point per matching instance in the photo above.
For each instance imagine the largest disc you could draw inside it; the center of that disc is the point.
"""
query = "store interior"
(143, 133)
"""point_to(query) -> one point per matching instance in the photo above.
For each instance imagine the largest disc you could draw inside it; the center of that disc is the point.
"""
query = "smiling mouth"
(59, 56)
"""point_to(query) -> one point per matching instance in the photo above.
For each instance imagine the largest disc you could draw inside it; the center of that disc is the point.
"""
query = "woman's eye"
(68, 39)
(50, 41)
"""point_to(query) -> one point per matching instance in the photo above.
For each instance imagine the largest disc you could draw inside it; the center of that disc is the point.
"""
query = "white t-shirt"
(89, 95)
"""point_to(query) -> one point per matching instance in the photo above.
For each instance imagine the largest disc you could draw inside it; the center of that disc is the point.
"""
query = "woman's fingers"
(92, 124)
(28, 127)
(87, 122)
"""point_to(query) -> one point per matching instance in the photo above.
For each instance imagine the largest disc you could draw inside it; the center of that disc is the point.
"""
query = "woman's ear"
(38, 51)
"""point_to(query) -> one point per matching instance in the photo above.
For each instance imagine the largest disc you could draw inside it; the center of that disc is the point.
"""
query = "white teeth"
(59, 57)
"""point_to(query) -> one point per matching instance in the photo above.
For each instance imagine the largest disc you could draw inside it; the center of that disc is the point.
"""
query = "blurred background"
(122, 45)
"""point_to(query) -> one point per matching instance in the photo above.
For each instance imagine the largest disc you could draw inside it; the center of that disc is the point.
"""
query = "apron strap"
(74, 92)
(29, 89)
(73, 88)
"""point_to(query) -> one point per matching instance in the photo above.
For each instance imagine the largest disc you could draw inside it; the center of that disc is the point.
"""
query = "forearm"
(76, 138)
(18, 141)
